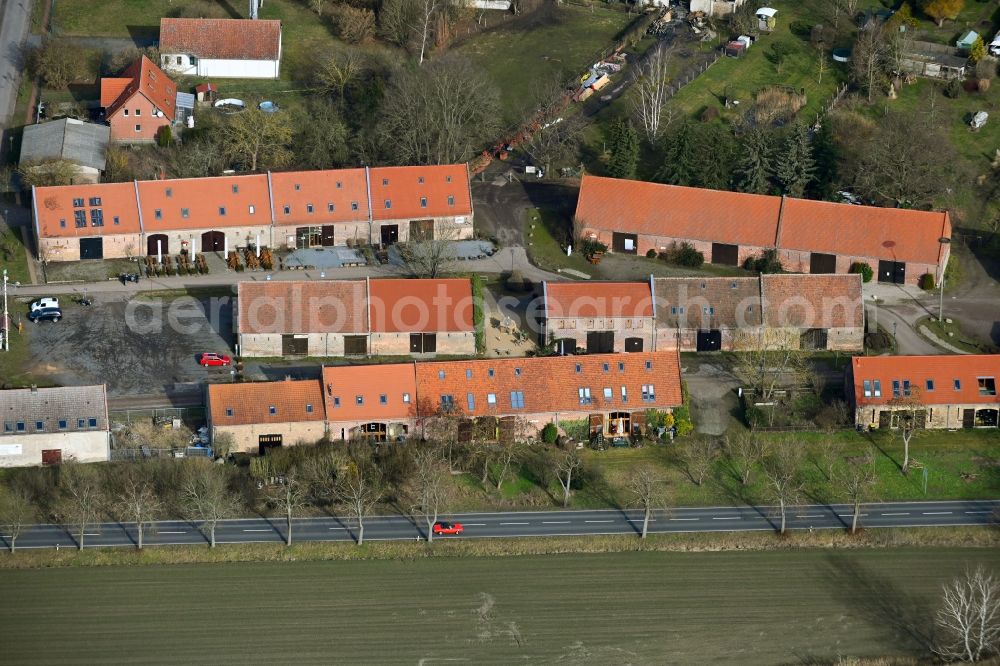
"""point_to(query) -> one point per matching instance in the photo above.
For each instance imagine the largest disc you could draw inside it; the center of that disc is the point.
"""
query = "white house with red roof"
(930, 391)
(227, 48)
(139, 103)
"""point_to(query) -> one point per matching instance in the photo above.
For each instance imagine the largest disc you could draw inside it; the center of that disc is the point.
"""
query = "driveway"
(13, 31)
(714, 404)
(134, 345)
(500, 204)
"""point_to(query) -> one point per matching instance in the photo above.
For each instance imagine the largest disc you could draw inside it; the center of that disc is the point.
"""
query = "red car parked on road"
(209, 358)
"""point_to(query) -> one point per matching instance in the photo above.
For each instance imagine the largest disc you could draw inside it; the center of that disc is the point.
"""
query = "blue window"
(158, 214)
(359, 399)
(895, 388)
(222, 211)
(383, 399)
(579, 368)
(621, 367)
(440, 374)
(517, 372)
(330, 207)
(447, 402)
(92, 422)
(490, 372)
(606, 367)
(62, 424)
(39, 425)
(868, 388)
(517, 399)
(336, 401)
(185, 213)
(906, 388)
(958, 384)
(116, 220)
(649, 365)
(272, 410)
(648, 393)
(229, 411)
(929, 384)
(80, 218)
(80, 423)
(471, 401)
(468, 373)
(309, 409)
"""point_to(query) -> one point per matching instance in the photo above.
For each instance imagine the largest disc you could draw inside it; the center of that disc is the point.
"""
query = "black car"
(45, 314)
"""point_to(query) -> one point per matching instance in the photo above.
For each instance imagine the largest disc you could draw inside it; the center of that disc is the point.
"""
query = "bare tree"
(426, 20)
(768, 361)
(429, 257)
(16, 512)
(397, 20)
(647, 490)
(47, 173)
(856, 483)
(698, 455)
(744, 450)
(969, 617)
(506, 453)
(651, 91)
(868, 59)
(557, 142)
(255, 137)
(439, 114)
(336, 71)
(361, 493)
(566, 465)
(82, 498)
(317, 6)
(206, 498)
(909, 411)
(827, 455)
(433, 487)
(783, 471)
(289, 497)
(137, 502)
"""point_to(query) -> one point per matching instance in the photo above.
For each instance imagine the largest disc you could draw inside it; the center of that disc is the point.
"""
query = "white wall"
(26, 450)
(239, 69)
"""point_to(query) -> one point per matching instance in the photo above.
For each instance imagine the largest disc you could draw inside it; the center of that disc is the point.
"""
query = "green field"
(639, 608)
(529, 60)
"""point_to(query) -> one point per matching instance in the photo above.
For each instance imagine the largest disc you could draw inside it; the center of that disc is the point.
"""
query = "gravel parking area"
(135, 344)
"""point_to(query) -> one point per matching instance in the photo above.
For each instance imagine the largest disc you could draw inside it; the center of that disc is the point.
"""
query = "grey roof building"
(83, 144)
(49, 425)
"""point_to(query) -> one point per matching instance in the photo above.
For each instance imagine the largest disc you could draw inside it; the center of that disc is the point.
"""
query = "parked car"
(442, 527)
(45, 314)
(209, 358)
(43, 303)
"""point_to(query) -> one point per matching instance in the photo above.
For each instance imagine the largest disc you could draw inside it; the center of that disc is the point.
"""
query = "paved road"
(14, 23)
(532, 524)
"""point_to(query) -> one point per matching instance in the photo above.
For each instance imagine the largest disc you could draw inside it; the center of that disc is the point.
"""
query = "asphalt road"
(13, 31)
(530, 524)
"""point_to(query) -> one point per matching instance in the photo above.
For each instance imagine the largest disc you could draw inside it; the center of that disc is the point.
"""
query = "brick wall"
(116, 246)
(123, 127)
(398, 344)
(577, 328)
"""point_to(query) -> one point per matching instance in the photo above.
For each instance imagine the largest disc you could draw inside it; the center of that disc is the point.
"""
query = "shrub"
(683, 255)
(952, 271)
(927, 282)
(651, 254)
(164, 137)
(766, 262)
(589, 246)
(954, 89)
(864, 269)
(682, 421)
(550, 433)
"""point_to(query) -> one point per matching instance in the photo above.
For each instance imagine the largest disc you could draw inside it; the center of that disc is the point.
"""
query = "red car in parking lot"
(209, 358)
(442, 527)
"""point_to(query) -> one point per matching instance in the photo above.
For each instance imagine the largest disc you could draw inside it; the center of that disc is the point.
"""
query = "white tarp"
(766, 12)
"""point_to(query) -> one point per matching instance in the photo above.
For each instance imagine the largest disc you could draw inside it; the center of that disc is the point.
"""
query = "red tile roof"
(227, 201)
(813, 300)
(633, 206)
(943, 371)
(112, 89)
(251, 403)
(420, 306)
(551, 383)
(354, 392)
(221, 39)
(407, 188)
(343, 188)
(336, 306)
(598, 299)
(146, 79)
(863, 231)
(704, 302)
(55, 210)
(750, 219)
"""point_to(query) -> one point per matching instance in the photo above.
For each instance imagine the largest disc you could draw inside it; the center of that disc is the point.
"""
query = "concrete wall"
(938, 416)
(26, 450)
(716, 7)
(116, 246)
(230, 69)
(246, 436)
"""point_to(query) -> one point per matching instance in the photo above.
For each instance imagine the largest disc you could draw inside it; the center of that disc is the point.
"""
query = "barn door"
(709, 341)
(822, 263)
(727, 255)
(294, 345)
(328, 235)
(91, 248)
(267, 442)
(633, 344)
(624, 243)
(600, 342)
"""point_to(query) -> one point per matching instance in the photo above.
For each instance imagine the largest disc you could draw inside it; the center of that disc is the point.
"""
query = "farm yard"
(639, 607)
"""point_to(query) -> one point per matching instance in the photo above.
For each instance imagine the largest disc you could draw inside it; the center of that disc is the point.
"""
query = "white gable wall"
(26, 450)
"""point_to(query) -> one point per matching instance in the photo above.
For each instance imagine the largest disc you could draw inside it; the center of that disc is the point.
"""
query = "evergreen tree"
(824, 151)
(753, 172)
(679, 156)
(796, 167)
(698, 155)
(624, 147)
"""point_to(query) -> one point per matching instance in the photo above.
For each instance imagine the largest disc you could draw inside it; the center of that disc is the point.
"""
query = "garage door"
(91, 248)
(727, 255)
(355, 345)
(600, 342)
(213, 241)
(822, 263)
(709, 340)
(892, 272)
(423, 343)
(633, 344)
(624, 243)
(294, 345)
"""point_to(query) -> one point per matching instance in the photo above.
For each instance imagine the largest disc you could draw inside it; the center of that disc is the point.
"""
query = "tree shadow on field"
(882, 603)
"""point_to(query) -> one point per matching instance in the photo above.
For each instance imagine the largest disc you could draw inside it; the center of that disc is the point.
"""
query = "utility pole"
(941, 303)
(6, 317)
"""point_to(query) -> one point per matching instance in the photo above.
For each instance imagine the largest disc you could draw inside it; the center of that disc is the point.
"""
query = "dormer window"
(236, 189)
(297, 187)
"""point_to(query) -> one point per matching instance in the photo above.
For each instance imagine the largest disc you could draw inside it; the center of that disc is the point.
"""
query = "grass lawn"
(522, 54)
(16, 264)
(960, 465)
(119, 18)
(639, 608)
(545, 230)
(950, 333)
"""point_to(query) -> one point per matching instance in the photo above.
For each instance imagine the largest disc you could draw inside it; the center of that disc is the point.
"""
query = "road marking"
(851, 515)
(555, 522)
(937, 513)
(598, 521)
(91, 534)
(906, 513)
(683, 519)
(809, 515)
(635, 520)
(476, 524)
(332, 528)
(979, 512)
(264, 530)
(727, 518)
(172, 532)
(514, 523)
